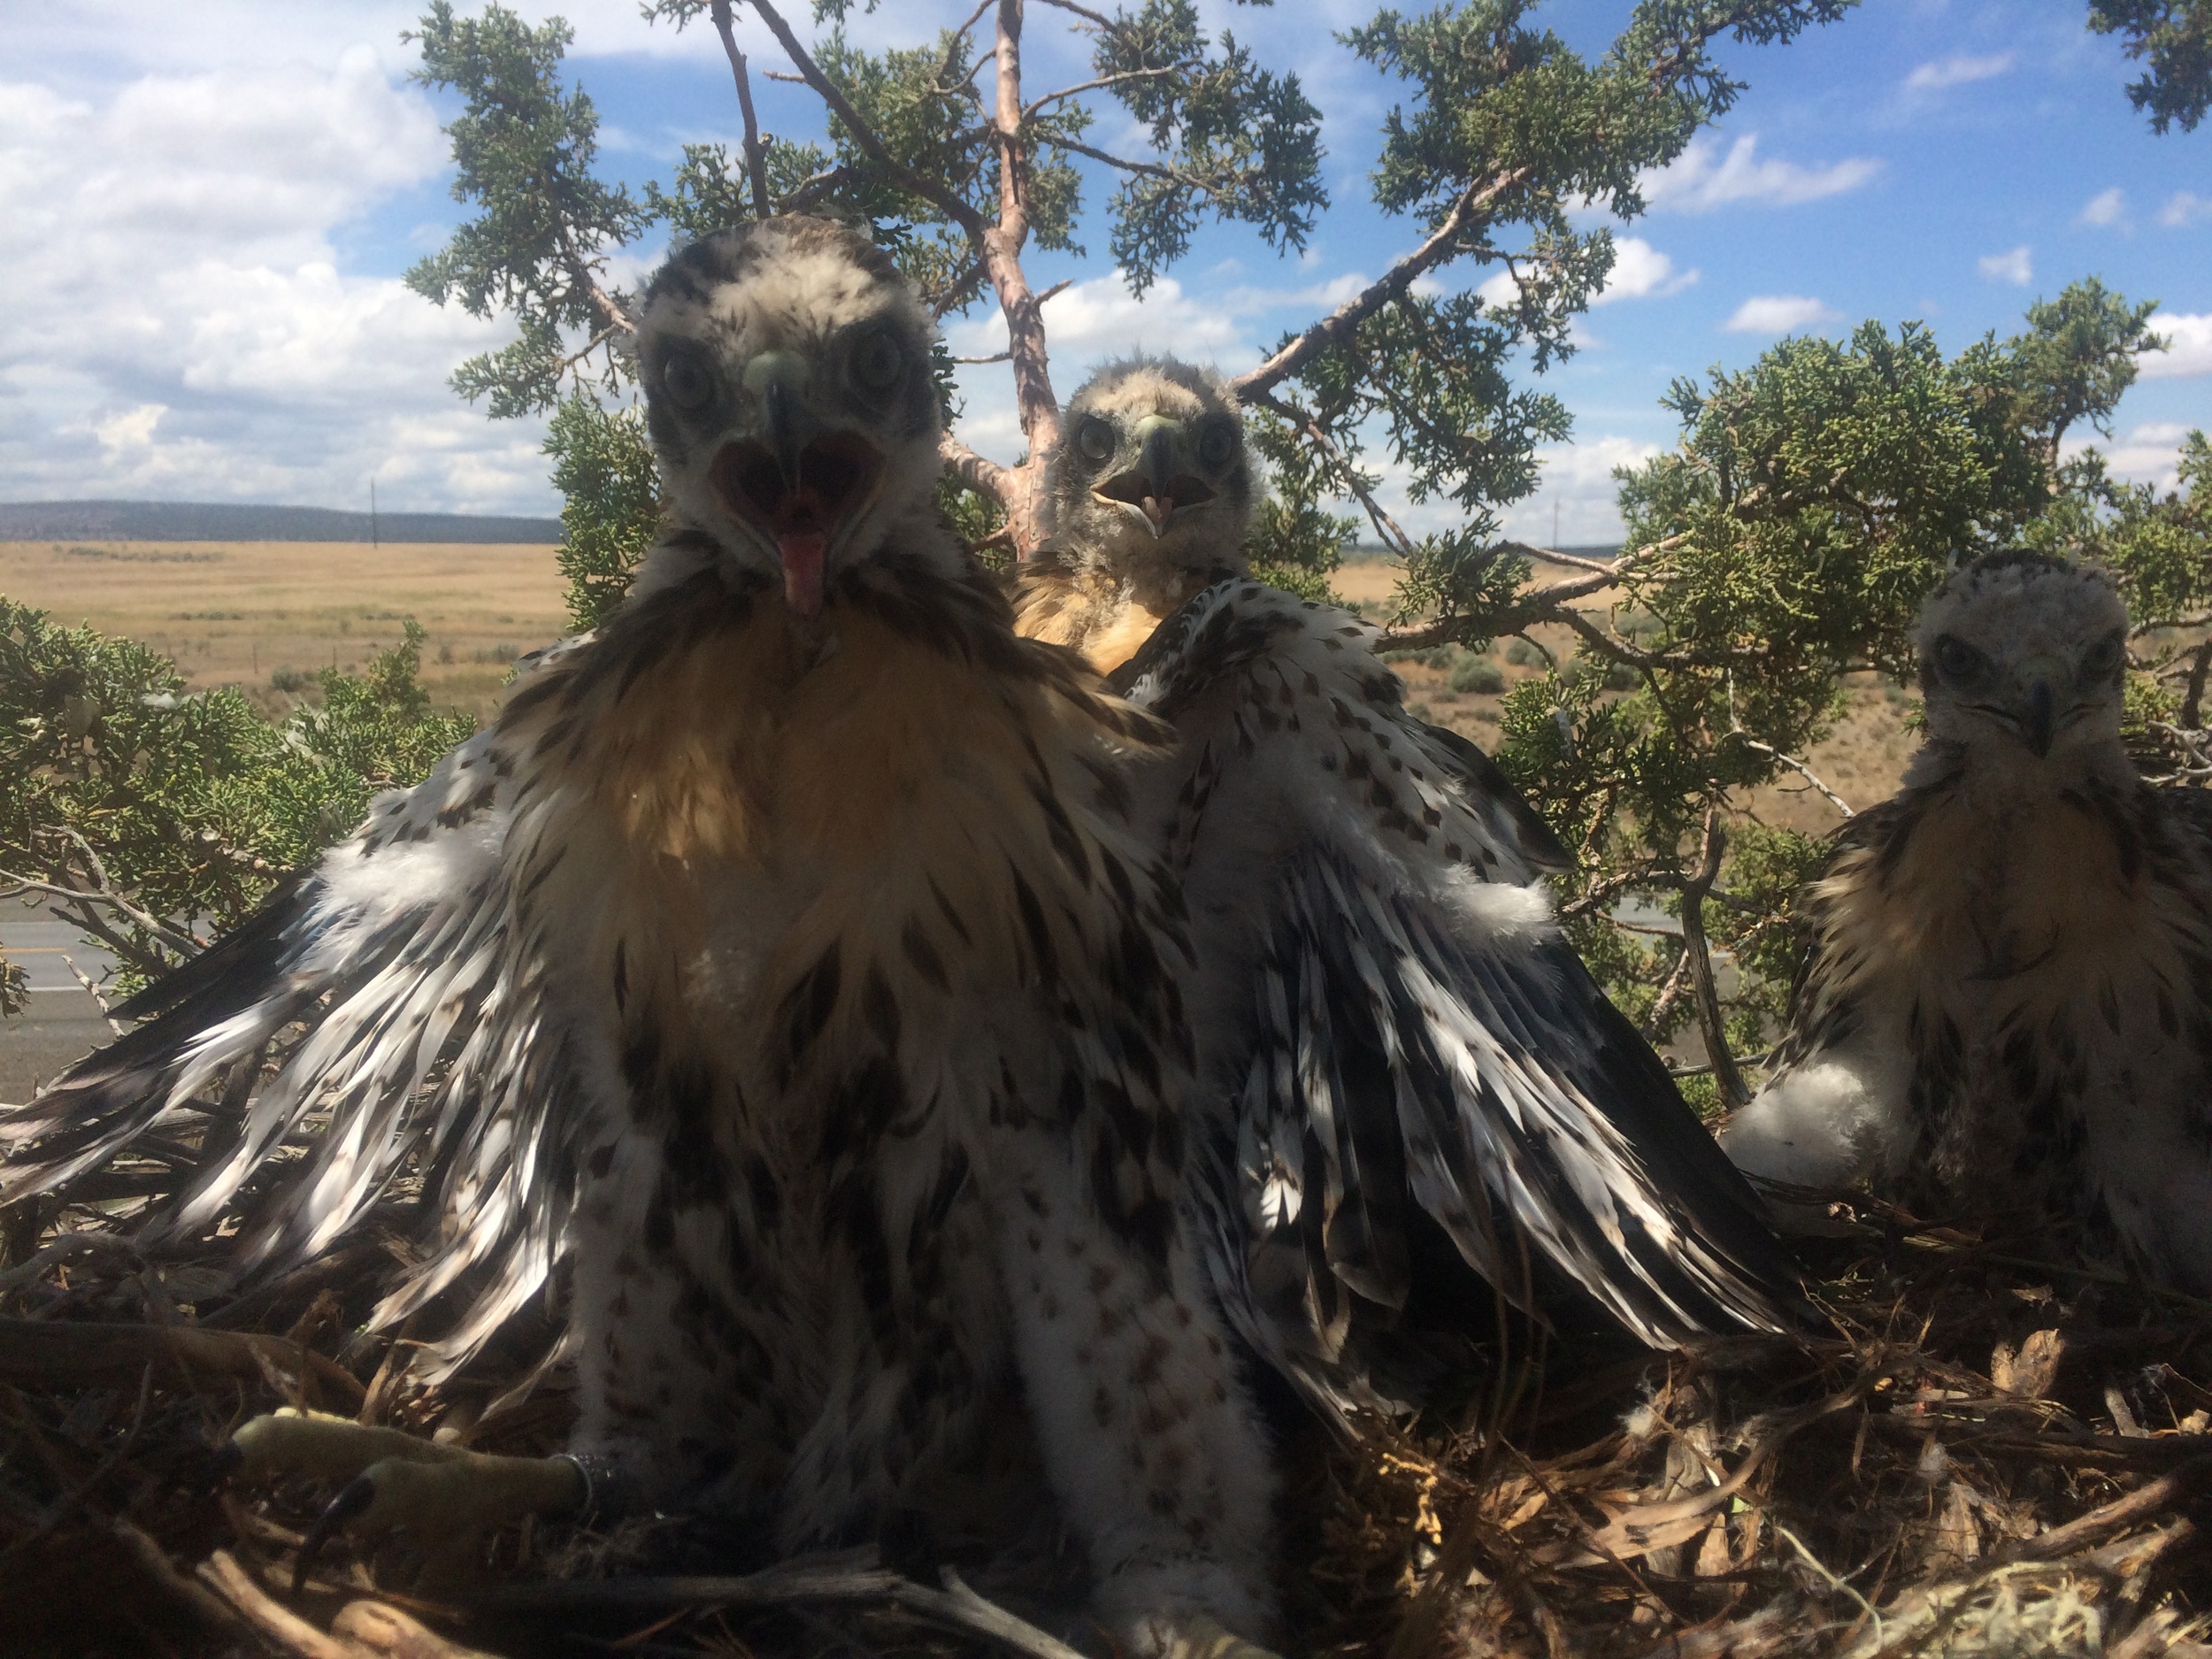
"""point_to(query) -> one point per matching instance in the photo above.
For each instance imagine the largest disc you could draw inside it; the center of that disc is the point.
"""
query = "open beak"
(2036, 725)
(799, 482)
(1154, 490)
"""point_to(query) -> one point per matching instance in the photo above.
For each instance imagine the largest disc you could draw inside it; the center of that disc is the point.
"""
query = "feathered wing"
(423, 1033)
(1397, 1034)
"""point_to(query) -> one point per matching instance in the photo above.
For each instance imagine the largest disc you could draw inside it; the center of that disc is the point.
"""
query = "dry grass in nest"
(1967, 1453)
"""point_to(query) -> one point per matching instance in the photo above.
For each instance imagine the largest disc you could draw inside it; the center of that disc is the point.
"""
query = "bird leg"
(445, 1498)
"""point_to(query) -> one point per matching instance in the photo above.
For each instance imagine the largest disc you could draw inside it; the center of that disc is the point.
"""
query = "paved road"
(63, 1022)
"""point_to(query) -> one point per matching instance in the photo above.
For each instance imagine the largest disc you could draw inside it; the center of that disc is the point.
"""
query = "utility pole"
(372, 512)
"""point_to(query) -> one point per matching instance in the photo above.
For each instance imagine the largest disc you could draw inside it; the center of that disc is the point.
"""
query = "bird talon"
(354, 1497)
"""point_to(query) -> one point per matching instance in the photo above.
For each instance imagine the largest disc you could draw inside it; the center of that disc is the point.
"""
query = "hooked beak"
(1153, 491)
(799, 483)
(2037, 727)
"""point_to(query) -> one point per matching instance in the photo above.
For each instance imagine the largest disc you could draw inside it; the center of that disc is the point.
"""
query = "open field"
(241, 613)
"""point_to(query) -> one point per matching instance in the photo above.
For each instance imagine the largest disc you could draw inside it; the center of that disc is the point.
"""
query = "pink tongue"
(1156, 508)
(801, 554)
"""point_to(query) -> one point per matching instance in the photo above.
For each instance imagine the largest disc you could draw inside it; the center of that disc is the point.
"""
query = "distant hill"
(227, 521)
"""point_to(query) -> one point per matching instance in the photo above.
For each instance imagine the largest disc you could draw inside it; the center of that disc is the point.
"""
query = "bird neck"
(1997, 776)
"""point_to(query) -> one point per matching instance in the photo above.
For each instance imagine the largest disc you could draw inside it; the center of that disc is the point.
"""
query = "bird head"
(1152, 471)
(2022, 659)
(789, 392)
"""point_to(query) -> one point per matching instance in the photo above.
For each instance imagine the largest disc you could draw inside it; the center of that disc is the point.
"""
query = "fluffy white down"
(1497, 915)
(1828, 1123)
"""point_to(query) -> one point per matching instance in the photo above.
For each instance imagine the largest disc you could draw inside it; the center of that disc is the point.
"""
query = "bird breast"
(758, 827)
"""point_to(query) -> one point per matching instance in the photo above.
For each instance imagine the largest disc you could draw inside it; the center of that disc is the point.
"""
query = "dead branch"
(756, 153)
(1308, 428)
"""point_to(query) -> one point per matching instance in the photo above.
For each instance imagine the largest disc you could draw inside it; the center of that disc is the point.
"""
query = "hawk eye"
(1095, 438)
(1215, 444)
(877, 361)
(2103, 659)
(1956, 658)
(686, 381)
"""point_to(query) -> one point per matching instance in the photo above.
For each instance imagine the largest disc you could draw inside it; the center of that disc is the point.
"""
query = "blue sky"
(210, 208)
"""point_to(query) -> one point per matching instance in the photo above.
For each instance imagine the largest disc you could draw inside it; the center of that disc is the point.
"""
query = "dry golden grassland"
(244, 613)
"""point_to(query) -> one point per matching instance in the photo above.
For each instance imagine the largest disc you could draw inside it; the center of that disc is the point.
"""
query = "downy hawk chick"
(1151, 493)
(806, 989)
(2007, 1008)
(1406, 1075)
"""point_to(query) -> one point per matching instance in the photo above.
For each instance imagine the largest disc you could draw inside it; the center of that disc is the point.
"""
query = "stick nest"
(1969, 1451)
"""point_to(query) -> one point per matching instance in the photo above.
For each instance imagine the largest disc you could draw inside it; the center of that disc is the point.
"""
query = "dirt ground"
(260, 615)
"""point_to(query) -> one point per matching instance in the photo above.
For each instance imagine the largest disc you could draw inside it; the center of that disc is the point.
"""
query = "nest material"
(1968, 1453)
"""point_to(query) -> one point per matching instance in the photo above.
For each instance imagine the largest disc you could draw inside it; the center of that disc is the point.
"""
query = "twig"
(1341, 323)
(1733, 1092)
(756, 155)
(67, 1504)
(1030, 110)
(65, 1249)
(852, 1578)
(1735, 725)
(290, 1631)
(943, 200)
(49, 1354)
(1097, 19)
(154, 1561)
(92, 991)
(1309, 429)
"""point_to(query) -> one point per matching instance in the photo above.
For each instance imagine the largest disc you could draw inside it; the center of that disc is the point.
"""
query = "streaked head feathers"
(787, 386)
(1152, 471)
(2023, 658)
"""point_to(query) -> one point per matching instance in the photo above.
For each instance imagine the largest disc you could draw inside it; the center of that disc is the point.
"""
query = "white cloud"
(2188, 347)
(1778, 314)
(2106, 207)
(2146, 453)
(2184, 207)
(2014, 266)
(1578, 480)
(1701, 179)
(1957, 72)
(176, 320)
(1640, 272)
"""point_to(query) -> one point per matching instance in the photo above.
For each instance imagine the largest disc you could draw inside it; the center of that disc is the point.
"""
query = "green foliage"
(523, 150)
(2175, 37)
(180, 808)
(1507, 133)
(2076, 359)
(1476, 674)
(603, 465)
(1813, 500)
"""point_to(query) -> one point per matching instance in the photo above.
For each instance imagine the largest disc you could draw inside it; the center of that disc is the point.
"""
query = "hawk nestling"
(2009, 996)
(796, 976)
(1150, 492)
(1405, 1073)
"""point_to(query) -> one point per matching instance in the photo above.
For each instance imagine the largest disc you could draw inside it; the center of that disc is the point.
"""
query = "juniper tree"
(961, 166)
(2175, 38)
